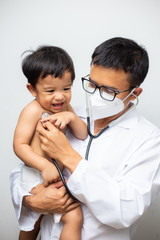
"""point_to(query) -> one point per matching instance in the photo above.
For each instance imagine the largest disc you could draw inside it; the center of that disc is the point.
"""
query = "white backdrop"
(78, 27)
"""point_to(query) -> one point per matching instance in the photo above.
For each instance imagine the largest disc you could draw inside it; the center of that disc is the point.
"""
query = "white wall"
(78, 27)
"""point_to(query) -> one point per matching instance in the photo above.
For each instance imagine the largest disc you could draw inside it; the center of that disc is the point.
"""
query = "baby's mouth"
(58, 105)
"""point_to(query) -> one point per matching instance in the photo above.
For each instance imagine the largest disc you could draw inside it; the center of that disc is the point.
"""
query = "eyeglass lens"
(105, 93)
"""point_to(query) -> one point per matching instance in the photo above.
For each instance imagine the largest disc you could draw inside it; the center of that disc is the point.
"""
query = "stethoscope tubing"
(86, 157)
(63, 180)
(92, 137)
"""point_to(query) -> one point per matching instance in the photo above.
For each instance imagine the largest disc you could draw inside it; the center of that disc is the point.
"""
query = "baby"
(50, 74)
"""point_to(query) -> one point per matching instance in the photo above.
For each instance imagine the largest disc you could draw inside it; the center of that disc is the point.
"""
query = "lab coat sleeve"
(118, 201)
(26, 218)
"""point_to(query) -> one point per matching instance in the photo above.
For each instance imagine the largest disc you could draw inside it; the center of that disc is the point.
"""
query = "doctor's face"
(114, 79)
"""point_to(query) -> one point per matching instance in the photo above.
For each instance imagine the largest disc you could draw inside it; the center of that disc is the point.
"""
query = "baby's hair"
(47, 60)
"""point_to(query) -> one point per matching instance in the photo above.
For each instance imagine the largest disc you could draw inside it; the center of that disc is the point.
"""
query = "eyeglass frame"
(116, 92)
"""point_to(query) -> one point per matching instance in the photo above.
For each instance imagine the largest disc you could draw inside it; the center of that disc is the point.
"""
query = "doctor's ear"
(136, 92)
(31, 89)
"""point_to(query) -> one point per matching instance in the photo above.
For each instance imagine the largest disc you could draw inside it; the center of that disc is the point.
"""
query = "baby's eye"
(67, 89)
(50, 91)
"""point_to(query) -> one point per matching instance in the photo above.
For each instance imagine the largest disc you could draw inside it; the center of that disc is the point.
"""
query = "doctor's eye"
(91, 85)
(108, 90)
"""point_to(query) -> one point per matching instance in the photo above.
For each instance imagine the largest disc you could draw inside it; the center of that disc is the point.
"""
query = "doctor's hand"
(56, 145)
(52, 199)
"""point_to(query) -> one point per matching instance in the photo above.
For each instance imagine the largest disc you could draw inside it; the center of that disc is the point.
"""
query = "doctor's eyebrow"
(110, 87)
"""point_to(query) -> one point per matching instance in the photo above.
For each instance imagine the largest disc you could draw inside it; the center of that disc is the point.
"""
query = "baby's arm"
(77, 125)
(60, 120)
(23, 136)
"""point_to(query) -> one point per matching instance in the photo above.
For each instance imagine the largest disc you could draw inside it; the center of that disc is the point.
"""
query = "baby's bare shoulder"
(33, 110)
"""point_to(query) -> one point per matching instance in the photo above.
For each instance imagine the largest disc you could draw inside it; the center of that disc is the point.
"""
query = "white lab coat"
(116, 185)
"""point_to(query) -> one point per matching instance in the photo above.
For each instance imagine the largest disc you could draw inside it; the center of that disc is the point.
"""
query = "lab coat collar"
(127, 120)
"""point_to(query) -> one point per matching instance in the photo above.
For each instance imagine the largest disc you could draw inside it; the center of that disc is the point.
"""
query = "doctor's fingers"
(63, 205)
(72, 206)
(41, 187)
(68, 203)
(64, 197)
(40, 129)
(66, 207)
(37, 189)
(47, 132)
(50, 127)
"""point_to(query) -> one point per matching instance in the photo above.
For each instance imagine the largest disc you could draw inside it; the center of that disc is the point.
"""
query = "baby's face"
(54, 94)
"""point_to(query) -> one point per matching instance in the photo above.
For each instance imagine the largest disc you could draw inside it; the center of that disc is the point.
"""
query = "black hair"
(47, 60)
(122, 53)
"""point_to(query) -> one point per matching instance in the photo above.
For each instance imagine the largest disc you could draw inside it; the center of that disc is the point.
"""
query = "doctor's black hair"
(122, 53)
(47, 60)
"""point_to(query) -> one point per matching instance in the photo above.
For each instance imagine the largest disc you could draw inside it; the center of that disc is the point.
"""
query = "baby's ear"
(31, 89)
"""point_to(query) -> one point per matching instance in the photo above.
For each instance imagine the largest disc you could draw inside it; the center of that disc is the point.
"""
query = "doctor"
(115, 172)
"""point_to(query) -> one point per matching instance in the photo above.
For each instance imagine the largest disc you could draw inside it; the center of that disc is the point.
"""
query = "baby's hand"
(50, 174)
(60, 120)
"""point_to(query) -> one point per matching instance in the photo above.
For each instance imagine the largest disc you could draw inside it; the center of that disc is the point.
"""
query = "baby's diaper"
(30, 177)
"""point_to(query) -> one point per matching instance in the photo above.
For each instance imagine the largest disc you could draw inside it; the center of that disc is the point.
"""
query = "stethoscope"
(86, 155)
(92, 136)
(90, 141)
(46, 114)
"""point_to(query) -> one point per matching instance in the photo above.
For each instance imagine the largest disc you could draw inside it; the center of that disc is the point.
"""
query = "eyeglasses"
(106, 93)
